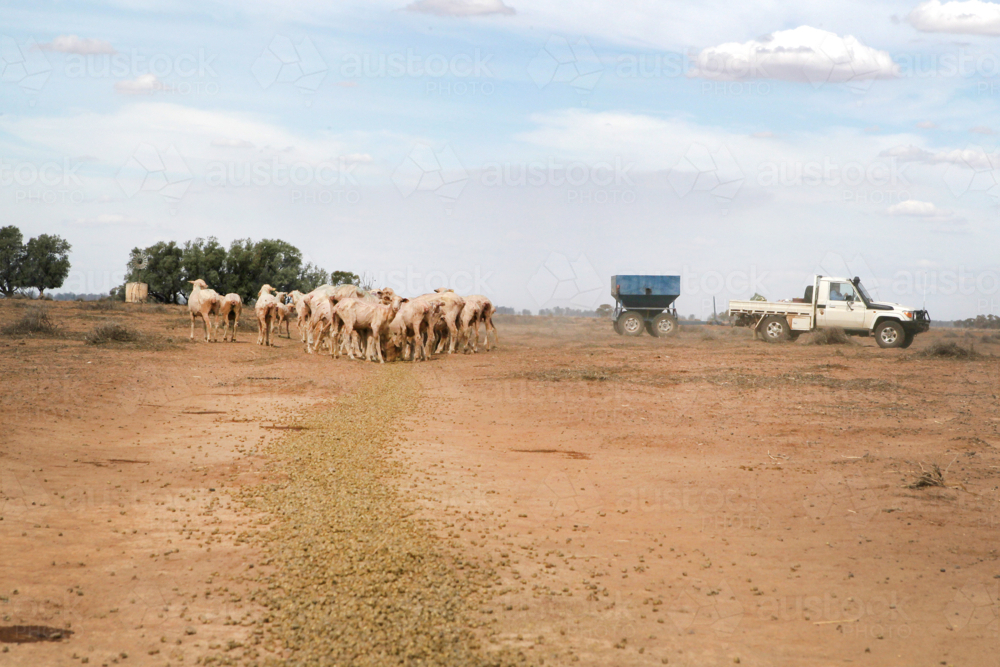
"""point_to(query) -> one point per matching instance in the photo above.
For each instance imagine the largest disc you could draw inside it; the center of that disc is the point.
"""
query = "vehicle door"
(844, 307)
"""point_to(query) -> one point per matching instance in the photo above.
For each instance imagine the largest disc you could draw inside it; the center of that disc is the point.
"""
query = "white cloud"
(143, 84)
(971, 17)
(77, 45)
(460, 7)
(767, 134)
(805, 54)
(231, 143)
(917, 209)
(974, 157)
(980, 129)
(106, 219)
(927, 125)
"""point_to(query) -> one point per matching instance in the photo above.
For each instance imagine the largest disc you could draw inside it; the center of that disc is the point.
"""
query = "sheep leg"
(208, 327)
(490, 327)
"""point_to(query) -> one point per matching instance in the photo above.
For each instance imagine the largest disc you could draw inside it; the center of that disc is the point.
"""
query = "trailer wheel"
(618, 329)
(631, 323)
(663, 325)
(775, 329)
(890, 334)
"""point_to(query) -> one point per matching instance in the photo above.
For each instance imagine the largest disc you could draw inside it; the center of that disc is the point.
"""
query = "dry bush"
(831, 336)
(950, 334)
(102, 304)
(112, 332)
(950, 349)
(932, 477)
(35, 321)
(707, 335)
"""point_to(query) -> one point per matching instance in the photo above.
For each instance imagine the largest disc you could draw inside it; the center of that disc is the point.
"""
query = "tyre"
(663, 325)
(618, 329)
(631, 323)
(908, 341)
(890, 334)
(775, 329)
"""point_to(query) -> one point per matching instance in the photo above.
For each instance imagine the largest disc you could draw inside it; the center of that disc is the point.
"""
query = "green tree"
(161, 267)
(344, 278)
(311, 277)
(11, 259)
(205, 259)
(46, 263)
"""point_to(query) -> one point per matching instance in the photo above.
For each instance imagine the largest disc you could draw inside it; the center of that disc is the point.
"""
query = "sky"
(525, 151)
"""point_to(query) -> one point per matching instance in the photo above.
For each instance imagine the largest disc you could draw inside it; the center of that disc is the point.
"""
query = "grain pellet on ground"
(352, 580)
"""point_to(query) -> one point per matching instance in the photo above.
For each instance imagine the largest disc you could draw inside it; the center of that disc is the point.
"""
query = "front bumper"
(920, 323)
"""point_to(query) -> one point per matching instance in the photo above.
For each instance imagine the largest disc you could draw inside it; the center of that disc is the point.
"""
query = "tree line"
(166, 268)
(989, 321)
(42, 263)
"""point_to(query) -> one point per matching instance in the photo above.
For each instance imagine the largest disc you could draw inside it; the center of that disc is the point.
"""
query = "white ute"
(832, 302)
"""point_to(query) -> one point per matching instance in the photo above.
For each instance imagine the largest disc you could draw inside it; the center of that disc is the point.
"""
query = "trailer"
(645, 302)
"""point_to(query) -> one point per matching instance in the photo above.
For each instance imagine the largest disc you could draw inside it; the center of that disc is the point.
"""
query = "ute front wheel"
(631, 323)
(890, 334)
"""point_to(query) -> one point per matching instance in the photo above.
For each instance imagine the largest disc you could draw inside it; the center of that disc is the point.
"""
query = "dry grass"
(112, 332)
(832, 336)
(950, 350)
(35, 321)
(106, 305)
(587, 374)
(932, 477)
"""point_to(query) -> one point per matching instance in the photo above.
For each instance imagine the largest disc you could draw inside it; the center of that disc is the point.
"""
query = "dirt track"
(695, 500)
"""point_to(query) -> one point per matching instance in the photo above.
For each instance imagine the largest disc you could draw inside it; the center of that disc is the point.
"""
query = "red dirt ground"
(707, 499)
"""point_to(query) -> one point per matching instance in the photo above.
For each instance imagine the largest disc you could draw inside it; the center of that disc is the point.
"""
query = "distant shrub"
(831, 336)
(112, 332)
(35, 321)
(950, 349)
(101, 304)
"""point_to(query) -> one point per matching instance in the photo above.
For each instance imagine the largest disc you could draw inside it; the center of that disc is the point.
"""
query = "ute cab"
(845, 303)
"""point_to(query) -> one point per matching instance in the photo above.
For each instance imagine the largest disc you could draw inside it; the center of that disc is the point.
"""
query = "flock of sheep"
(375, 325)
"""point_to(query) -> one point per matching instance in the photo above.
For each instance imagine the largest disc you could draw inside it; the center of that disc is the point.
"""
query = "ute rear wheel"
(663, 325)
(631, 323)
(775, 329)
(890, 334)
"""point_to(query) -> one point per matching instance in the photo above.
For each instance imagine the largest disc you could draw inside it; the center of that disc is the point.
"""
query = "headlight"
(908, 313)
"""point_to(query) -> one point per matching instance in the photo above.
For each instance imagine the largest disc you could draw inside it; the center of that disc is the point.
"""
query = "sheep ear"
(405, 301)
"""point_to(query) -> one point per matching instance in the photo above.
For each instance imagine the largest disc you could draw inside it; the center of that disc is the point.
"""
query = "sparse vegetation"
(950, 349)
(105, 304)
(832, 336)
(112, 332)
(35, 321)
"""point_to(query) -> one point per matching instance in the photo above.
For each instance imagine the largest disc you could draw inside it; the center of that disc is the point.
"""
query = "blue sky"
(744, 148)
